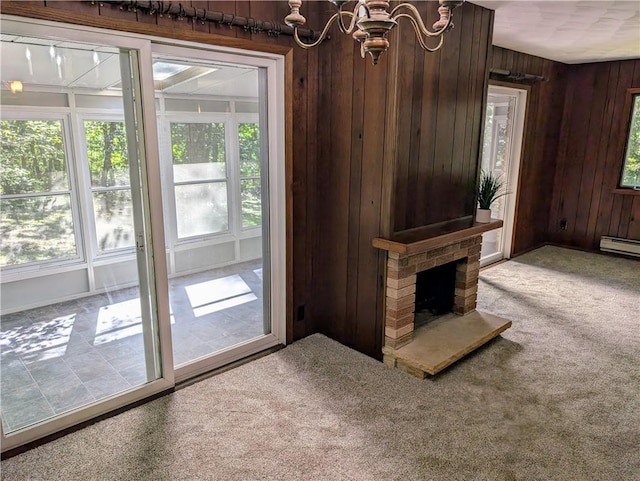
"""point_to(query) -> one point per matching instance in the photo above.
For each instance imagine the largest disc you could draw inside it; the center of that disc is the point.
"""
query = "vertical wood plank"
(358, 165)
(243, 9)
(608, 213)
(321, 303)
(311, 214)
(603, 145)
(625, 216)
(405, 85)
(475, 100)
(299, 189)
(459, 166)
(596, 125)
(633, 232)
(369, 327)
(447, 90)
(414, 183)
(428, 120)
(201, 7)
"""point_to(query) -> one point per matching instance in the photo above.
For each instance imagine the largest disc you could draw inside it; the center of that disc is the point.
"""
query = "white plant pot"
(483, 215)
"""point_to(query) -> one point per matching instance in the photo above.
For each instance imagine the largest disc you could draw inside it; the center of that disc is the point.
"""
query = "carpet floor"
(556, 397)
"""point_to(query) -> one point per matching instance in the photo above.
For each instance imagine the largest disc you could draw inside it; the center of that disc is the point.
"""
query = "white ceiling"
(576, 31)
(53, 64)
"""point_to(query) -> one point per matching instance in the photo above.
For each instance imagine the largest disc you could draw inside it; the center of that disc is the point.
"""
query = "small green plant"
(490, 189)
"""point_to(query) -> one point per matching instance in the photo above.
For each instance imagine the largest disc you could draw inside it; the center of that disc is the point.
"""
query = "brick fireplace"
(401, 284)
(410, 253)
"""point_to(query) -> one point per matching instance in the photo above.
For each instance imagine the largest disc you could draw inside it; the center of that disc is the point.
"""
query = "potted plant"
(490, 189)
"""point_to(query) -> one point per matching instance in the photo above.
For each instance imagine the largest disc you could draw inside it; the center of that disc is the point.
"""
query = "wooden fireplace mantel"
(417, 240)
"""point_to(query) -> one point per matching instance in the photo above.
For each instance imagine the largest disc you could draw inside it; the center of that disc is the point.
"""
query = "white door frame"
(517, 137)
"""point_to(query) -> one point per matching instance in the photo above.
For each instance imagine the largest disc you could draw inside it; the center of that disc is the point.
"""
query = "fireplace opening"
(435, 293)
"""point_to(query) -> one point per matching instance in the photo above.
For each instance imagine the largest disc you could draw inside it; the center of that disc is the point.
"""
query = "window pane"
(36, 229)
(201, 209)
(32, 157)
(249, 140)
(107, 153)
(251, 202)
(198, 152)
(631, 170)
(114, 219)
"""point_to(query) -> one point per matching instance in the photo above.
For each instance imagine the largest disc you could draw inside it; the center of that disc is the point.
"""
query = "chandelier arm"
(322, 36)
(418, 31)
(417, 19)
(354, 18)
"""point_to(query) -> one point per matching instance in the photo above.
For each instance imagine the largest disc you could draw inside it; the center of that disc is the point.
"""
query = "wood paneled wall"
(434, 156)
(590, 156)
(545, 102)
(440, 111)
(350, 138)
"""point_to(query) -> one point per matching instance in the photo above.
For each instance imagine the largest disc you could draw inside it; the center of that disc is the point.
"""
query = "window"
(631, 166)
(36, 220)
(110, 185)
(249, 141)
(200, 178)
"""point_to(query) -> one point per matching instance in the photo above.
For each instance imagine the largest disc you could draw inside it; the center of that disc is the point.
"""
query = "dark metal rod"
(517, 75)
(180, 11)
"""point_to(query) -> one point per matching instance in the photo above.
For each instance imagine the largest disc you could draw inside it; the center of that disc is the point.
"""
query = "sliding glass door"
(141, 219)
(214, 148)
(79, 322)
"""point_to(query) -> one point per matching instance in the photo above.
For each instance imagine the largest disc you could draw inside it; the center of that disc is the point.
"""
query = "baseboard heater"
(620, 246)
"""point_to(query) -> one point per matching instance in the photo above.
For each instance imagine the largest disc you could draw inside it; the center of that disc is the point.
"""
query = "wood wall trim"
(511, 85)
(56, 15)
(625, 192)
(288, 162)
(390, 144)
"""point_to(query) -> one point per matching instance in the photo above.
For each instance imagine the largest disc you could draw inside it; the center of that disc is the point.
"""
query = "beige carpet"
(555, 398)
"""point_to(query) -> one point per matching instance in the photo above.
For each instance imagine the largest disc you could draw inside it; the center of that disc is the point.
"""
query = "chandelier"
(370, 21)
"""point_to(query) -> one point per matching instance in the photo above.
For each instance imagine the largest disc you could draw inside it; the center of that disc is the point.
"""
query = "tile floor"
(57, 358)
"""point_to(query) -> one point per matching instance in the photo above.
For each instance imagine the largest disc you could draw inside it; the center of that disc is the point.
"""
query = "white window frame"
(203, 118)
(85, 173)
(62, 114)
(632, 101)
(243, 118)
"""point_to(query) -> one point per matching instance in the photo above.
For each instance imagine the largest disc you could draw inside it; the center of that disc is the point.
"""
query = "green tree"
(107, 153)
(196, 143)
(32, 157)
(32, 161)
(249, 140)
(631, 172)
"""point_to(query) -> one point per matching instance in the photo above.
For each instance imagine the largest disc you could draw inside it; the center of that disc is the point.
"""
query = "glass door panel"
(214, 159)
(504, 121)
(76, 323)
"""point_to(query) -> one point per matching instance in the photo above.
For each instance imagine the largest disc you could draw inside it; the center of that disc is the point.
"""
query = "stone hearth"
(437, 344)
